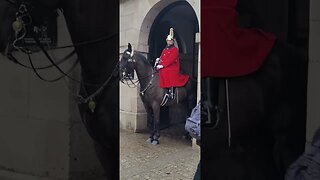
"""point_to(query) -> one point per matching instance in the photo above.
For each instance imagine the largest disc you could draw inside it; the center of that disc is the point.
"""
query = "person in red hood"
(169, 67)
(228, 50)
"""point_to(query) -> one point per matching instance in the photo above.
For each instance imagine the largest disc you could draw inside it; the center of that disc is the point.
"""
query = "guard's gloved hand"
(159, 66)
(157, 62)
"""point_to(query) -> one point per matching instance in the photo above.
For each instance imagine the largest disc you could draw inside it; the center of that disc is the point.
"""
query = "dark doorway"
(182, 18)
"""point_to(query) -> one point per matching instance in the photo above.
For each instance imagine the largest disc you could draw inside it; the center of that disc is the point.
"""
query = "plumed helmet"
(170, 36)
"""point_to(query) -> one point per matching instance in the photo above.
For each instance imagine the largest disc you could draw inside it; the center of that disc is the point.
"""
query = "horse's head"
(16, 15)
(127, 64)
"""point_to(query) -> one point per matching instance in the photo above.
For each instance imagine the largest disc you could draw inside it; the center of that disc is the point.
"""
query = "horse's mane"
(138, 54)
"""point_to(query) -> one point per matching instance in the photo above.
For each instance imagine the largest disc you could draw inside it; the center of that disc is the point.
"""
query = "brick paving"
(172, 159)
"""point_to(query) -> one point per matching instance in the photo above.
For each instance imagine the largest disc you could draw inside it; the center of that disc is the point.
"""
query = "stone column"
(313, 103)
(198, 41)
(132, 113)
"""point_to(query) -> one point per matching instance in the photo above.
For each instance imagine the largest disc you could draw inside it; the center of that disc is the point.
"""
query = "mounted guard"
(169, 68)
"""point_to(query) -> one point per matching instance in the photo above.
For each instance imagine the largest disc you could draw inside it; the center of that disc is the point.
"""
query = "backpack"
(307, 166)
(193, 123)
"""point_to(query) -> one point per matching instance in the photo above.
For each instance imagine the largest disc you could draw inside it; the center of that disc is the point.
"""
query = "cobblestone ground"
(172, 159)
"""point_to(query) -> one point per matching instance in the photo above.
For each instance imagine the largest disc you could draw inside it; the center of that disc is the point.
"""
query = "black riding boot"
(209, 105)
(171, 93)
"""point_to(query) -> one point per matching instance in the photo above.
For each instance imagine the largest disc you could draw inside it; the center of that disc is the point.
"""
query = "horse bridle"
(128, 77)
(19, 26)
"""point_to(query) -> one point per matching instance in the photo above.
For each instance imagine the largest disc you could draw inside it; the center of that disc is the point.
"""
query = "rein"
(15, 60)
(135, 84)
(149, 84)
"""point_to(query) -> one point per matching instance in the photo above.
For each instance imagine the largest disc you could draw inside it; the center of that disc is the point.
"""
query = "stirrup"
(172, 95)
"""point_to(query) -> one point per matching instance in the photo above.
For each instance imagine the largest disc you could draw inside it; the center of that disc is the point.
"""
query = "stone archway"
(136, 19)
(183, 18)
(151, 16)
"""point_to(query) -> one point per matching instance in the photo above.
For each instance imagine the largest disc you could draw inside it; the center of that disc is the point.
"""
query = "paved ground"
(172, 159)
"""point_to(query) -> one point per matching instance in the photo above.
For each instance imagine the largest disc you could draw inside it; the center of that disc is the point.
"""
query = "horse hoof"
(149, 140)
(155, 142)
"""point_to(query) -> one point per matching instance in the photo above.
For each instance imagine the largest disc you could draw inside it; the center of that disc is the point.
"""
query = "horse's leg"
(150, 119)
(150, 139)
(156, 123)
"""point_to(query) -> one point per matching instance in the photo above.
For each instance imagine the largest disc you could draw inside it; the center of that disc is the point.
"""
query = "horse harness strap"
(149, 84)
(142, 93)
(228, 109)
(19, 26)
(228, 112)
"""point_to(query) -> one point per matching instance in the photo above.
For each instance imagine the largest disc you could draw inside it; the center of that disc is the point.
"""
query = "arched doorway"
(181, 16)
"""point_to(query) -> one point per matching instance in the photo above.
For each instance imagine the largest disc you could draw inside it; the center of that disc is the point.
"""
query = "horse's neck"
(99, 59)
(144, 72)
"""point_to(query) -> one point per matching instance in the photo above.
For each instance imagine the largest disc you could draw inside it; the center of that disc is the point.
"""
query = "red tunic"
(170, 73)
(228, 50)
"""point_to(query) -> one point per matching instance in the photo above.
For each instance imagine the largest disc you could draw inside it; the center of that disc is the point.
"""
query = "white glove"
(157, 62)
(159, 66)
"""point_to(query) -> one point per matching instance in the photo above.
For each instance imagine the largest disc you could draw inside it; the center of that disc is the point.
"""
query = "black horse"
(258, 121)
(151, 94)
(94, 31)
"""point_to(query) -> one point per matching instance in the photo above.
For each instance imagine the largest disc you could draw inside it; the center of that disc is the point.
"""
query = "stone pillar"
(313, 103)
(194, 145)
(132, 113)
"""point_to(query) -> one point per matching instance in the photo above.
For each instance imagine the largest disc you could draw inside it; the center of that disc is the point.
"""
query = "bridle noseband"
(128, 76)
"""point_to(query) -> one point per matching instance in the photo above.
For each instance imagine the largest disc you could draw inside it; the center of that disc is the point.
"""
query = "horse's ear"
(129, 47)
